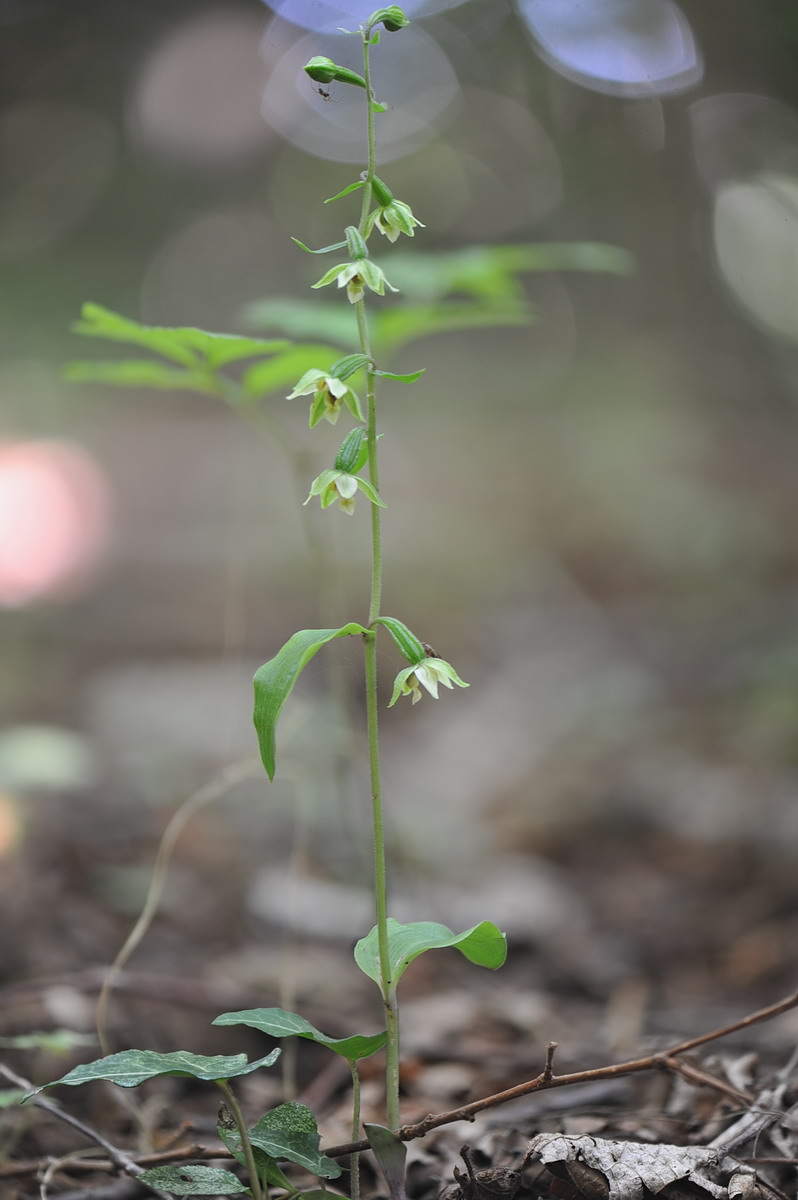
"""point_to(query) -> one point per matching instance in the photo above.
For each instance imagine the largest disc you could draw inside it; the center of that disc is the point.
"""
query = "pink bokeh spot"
(54, 520)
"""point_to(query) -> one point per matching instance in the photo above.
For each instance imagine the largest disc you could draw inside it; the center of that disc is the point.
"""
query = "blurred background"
(591, 514)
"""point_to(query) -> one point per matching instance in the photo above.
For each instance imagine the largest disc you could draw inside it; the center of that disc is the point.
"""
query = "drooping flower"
(391, 216)
(343, 487)
(356, 276)
(329, 393)
(428, 673)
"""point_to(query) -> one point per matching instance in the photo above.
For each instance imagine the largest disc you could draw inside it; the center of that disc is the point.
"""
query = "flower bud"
(391, 17)
(352, 455)
(355, 244)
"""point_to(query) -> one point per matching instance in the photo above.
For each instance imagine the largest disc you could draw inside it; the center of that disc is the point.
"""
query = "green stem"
(243, 1132)
(380, 881)
(354, 1159)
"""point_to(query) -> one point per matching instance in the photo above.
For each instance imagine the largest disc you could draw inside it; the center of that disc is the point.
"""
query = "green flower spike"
(329, 394)
(392, 216)
(359, 273)
(429, 672)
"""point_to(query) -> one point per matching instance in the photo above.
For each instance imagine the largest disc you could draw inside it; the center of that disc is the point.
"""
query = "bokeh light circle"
(198, 95)
(54, 519)
(756, 247)
(621, 47)
(418, 84)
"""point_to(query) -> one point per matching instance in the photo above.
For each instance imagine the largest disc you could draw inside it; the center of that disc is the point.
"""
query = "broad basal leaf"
(129, 1068)
(289, 1131)
(276, 678)
(280, 1023)
(483, 944)
(194, 1181)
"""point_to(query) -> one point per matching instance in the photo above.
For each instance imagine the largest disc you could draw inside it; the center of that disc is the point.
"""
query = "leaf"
(280, 1023)
(266, 1167)
(353, 187)
(129, 1068)
(290, 1131)
(322, 249)
(411, 378)
(185, 344)
(194, 1180)
(275, 679)
(140, 372)
(391, 1153)
(286, 368)
(304, 318)
(396, 327)
(483, 944)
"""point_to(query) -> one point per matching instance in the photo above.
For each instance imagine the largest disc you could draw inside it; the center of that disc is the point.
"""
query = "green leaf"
(129, 1068)
(278, 372)
(304, 318)
(290, 1131)
(276, 678)
(391, 1153)
(353, 187)
(280, 1023)
(411, 378)
(483, 944)
(185, 345)
(397, 326)
(141, 372)
(322, 250)
(194, 1180)
(266, 1167)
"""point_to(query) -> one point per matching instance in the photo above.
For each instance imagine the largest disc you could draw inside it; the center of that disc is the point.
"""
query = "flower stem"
(243, 1132)
(354, 1159)
(380, 882)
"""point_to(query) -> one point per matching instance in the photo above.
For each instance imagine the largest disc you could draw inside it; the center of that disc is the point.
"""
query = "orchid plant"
(383, 954)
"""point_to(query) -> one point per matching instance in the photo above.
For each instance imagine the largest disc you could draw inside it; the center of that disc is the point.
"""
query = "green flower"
(341, 486)
(392, 219)
(429, 672)
(329, 394)
(356, 277)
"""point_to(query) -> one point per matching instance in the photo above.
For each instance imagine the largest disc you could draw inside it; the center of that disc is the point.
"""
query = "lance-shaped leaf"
(410, 378)
(353, 187)
(391, 1153)
(129, 1068)
(276, 678)
(194, 1180)
(290, 1131)
(483, 944)
(280, 1023)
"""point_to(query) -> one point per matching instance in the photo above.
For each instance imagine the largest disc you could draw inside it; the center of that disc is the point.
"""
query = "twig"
(663, 1059)
(118, 1157)
(542, 1082)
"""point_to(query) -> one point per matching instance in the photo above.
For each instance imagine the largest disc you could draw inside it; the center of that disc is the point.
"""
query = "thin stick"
(117, 1157)
(663, 1059)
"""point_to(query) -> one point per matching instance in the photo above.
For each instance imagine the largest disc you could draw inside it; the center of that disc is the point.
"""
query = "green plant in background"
(476, 286)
